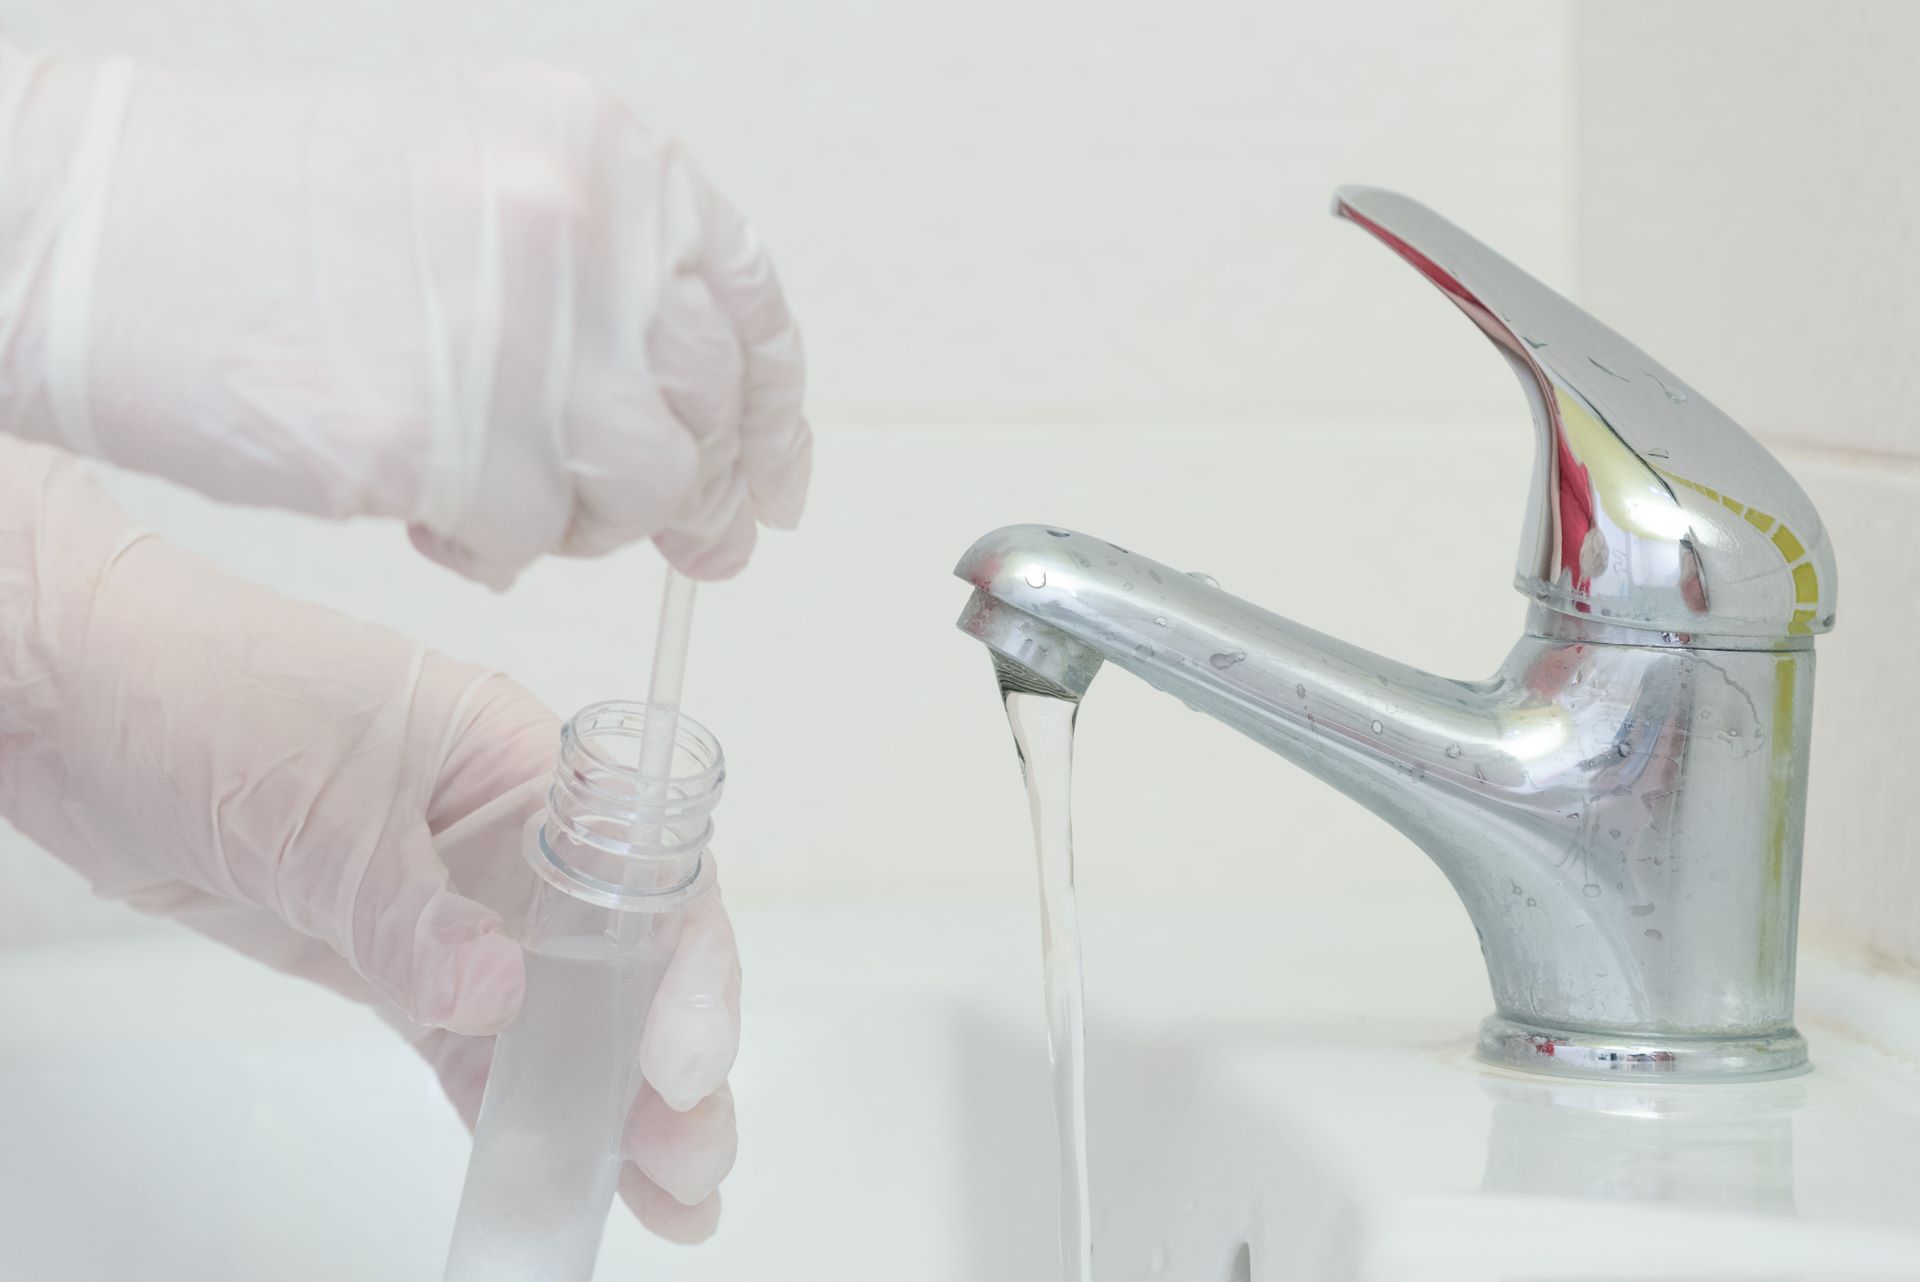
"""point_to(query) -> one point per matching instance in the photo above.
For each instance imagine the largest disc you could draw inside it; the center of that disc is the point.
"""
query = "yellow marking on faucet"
(1806, 579)
(1780, 794)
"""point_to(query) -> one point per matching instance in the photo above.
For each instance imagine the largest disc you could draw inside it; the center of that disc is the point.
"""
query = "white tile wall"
(1748, 205)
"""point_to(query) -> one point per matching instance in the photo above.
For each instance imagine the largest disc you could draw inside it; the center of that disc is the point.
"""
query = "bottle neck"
(609, 836)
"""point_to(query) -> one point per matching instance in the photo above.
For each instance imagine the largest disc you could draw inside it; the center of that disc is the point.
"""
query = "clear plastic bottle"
(619, 858)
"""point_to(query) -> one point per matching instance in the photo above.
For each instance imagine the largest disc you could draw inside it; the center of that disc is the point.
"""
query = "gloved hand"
(320, 793)
(490, 304)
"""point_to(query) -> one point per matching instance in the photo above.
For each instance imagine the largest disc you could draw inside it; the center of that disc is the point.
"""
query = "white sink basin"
(1263, 1096)
(268, 1132)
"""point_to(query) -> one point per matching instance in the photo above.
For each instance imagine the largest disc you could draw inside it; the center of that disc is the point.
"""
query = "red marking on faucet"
(1445, 280)
(1573, 486)
(1543, 1046)
(1576, 507)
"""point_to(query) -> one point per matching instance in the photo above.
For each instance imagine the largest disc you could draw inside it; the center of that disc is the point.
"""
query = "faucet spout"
(1349, 716)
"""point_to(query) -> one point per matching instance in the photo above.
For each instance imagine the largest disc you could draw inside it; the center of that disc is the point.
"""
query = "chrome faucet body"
(1620, 807)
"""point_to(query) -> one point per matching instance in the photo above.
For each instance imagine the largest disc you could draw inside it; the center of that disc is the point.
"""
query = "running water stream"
(1042, 727)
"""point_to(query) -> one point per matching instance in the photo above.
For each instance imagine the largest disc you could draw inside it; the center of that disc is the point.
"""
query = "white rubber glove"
(320, 793)
(490, 304)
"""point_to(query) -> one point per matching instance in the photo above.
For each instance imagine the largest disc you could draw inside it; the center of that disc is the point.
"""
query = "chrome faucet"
(1620, 806)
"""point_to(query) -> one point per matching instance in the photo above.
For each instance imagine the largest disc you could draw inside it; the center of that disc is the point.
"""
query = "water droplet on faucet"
(1591, 890)
(1204, 577)
(1160, 619)
(1453, 750)
(1059, 534)
(1225, 661)
(1301, 690)
(1674, 394)
(1144, 650)
(1378, 728)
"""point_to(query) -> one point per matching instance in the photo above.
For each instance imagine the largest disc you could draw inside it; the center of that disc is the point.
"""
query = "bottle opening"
(616, 838)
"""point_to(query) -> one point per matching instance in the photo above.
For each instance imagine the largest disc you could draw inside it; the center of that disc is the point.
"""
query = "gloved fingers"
(507, 738)
(693, 1030)
(699, 368)
(426, 924)
(461, 559)
(492, 780)
(663, 1214)
(687, 1154)
(632, 463)
(696, 367)
(780, 470)
(718, 544)
(775, 440)
(443, 959)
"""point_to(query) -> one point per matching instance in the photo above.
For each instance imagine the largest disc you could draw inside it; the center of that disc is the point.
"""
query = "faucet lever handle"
(1650, 508)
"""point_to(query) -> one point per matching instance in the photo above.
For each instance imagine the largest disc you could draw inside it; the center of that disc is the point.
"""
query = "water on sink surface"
(1042, 727)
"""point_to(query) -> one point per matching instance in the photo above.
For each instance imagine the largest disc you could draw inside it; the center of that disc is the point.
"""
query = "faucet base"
(1626, 1056)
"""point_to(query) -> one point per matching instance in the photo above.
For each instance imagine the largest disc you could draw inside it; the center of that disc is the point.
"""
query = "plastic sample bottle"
(619, 857)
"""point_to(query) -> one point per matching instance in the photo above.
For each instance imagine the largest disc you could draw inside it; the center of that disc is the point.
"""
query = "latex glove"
(323, 794)
(491, 304)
